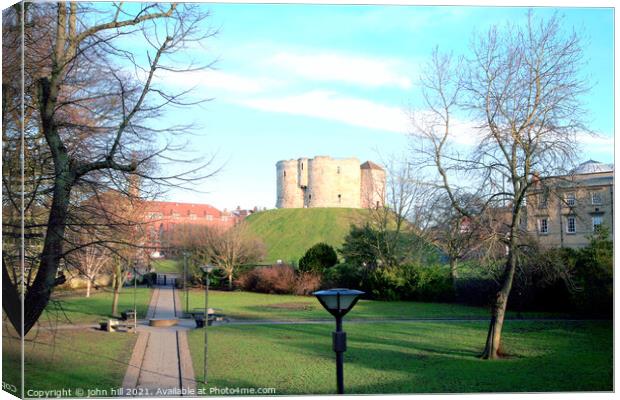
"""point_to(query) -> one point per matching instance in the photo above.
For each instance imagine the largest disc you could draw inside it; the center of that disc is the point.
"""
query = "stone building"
(328, 182)
(563, 211)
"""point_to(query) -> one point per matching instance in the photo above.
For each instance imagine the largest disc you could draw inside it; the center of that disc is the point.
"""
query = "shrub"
(553, 280)
(593, 277)
(318, 258)
(476, 291)
(404, 282)
(307, 282)
(432, 283)
(344, 275)
(279, 279)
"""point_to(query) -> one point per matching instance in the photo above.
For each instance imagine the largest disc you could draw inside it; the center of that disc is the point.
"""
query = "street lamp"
(135, 290)
(207, 269)
(185, 288)
(339, 302)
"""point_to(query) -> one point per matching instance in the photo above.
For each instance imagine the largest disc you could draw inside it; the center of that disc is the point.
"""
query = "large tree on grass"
(521, 87)
(93, 102)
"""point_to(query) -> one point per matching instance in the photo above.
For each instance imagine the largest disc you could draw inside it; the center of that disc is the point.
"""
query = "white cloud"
(216, 80)
(329, 105)
(595, 140)
(351, 69)
(597, 147)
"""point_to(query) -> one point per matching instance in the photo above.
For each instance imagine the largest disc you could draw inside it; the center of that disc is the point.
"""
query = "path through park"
(161, 364)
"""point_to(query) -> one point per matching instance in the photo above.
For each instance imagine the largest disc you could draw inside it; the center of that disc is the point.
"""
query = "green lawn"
(73, 308)
(68, 359)
(247, 305)
(405, 357)
(167, 266)
(289, 232)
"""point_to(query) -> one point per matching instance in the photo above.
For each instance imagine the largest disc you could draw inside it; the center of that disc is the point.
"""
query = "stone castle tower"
(327, 182)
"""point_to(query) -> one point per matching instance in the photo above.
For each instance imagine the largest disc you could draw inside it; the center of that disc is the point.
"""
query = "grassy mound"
(289, 232)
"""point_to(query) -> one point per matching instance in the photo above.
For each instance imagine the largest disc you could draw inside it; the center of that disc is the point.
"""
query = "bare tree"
(93, 103)
(228, 248)
(456, 235)
(401, 221)
(91, 261)
(522, 89)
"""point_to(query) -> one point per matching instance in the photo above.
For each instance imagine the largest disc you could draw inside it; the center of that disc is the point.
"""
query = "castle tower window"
(338, 171)
(302, 166)
(339, 198)
(285, 174)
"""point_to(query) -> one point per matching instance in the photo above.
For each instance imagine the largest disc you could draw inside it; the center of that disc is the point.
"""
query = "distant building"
(328, 182)
(162, 216)
(242, 214)
(563, 211)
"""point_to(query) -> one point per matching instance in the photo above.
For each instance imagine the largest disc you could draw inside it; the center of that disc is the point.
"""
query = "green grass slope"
(289, 232)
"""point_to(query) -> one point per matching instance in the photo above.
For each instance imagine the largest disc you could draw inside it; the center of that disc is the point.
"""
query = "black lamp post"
(185, 288)
(207, 269)
(339, 302)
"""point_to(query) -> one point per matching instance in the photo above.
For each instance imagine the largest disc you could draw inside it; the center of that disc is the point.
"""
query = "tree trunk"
(454, 273)
(117, 283)
(230, 281)
(88, 285)
(492, 347)
(38, 295)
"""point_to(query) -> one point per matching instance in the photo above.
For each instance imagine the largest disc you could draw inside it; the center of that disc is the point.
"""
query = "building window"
(597, 221)
(596, 198)
(571, 224)
(302, 166)
(175, 215)
(570, 199)
(224, 218)
(543, 226)
(209, 217)
(337, 170)
(285, 174)
(339, 198)
(192, 216)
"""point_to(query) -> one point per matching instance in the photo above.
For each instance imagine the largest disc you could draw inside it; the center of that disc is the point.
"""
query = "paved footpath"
(160, 364)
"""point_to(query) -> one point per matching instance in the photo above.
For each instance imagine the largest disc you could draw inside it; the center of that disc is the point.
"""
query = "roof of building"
(592, 166)
(370, 165)
(168, 207)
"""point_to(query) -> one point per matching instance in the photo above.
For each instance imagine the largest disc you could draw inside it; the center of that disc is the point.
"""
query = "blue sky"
(306, 80)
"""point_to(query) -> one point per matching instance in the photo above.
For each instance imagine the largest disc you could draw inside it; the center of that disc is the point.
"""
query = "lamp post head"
(208, 268)
(338, 302)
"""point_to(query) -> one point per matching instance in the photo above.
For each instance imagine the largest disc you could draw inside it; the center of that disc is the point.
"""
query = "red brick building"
(162, 216)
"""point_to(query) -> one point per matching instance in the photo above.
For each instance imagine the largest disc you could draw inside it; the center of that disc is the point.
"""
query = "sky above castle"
(295, 81)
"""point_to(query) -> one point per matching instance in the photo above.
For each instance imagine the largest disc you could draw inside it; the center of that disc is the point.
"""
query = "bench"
(113, 325)
(127, 315)
(198, 315)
